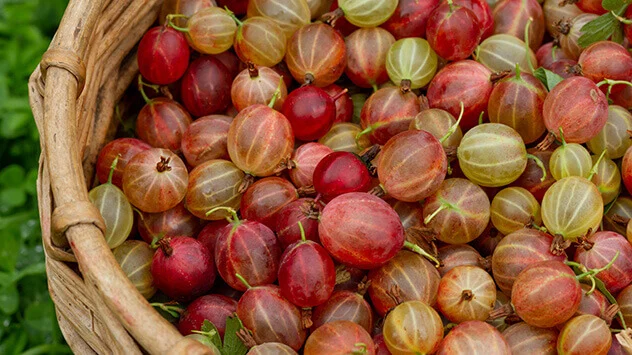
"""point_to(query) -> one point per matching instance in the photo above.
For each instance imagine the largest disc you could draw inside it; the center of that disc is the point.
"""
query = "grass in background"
(28, 324)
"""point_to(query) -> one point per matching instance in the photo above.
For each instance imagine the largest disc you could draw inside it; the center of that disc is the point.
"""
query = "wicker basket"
(87, 68)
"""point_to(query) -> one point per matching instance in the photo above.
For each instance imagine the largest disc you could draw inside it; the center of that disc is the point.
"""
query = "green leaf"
(232, 344)
(614, 5)
(209, 327)
(14, 344)
(12, 175)
(12, 197)
(9, 299)
(599, 29)
(547, 77)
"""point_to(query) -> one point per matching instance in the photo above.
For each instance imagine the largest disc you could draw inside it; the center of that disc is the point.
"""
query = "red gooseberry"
(214, 308)
(163, 55)
(123, 148)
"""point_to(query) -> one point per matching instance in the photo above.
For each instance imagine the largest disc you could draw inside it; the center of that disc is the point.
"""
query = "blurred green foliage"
(28, 324)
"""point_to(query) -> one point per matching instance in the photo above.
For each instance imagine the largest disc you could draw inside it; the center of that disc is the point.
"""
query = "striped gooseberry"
(464, 81)
(340, 173)
(271, 349)
(410, 214)
(606, 60)
(304, 161)
(517, 102)
(410, 18)
(621, 207)
(570, 159)
(557, 12)
(466, 293)
(163, 55)
(570, 31)
(513, 208)
(343, 137)
(344, 104)
(457, 212)
(453, 255)
(572, 207)
(174, 222)
(518, 250)
(247, 248)
(624, 300)
(259, 304)
(368, 13)
(380, 345)
(214, 308)
(595, 303)
(304, 210)
(453, 31)
(607, 178)
(182, 7)
(155, 180)
(566, 68)
(211, 184)
(265, 198)
(599, 250)
(534, 178)
(257, 85)
(474, 337)
(339, 338)
(205, 139)
(340, 24)
(411, 63)
(209, 31)
(546, 294)
(502, 51)
(412, 327)
(590, 6)
(585, 334)
(387, 112)
(511, 17)
(613, 137)
(260, 40)
(486, 243)
(412, 166)
(549, 53)
(526, 339)
(438, 122)
(364, 70)
(406, 277)
(206, 87)
(483, 12)
(208, 235)
(257, 151)
(307, 60)
(289, 15)
(345, 305)
(122, 148)
(134, 257)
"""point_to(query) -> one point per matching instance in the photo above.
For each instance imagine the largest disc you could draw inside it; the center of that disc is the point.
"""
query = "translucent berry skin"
(388, 112)
(305, 56)
(483, 13)
(340, 173)
(565, 68)
(250, 249)
(260, 40)
(454, 255)
(162, 123)
(606, 60)
(614, 137)
(548, 54)
(174, 222)
(368, 13)
(466, 293)
(344, 104)
(303, 210)
(163, 55)
(464, 81)
(604, 247)
(410, 18)
(546, 294)
(271, 349)
(413, 327)
(214, 308)
(206, 87)
(513, 208)
(135, 257)
(416, 278)
(511, 17)
(211, 31)
(307, 274)
(344, 305)
(585, 334)
(259, 305)
(526, 339)
(531, 178)
(182, 7)
(209, 234)
(411, 59)
(305, 158)
(474, 337)
(256, 85)
(339, 338)
(591, 6)
(366, 56)
(342, 137)
(412, 166)
(205, 139)
(311, 112)
(453, 31)
(211, 184)
(184, 269)
(360, 230)
(125, 149)
(265, 198)
(289, 15)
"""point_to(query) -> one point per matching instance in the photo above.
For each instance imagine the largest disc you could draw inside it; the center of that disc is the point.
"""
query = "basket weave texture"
(73, 94)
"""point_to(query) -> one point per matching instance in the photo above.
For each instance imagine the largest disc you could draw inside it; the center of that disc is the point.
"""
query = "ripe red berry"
(453, 31)
(163, 55)
(214, 308)
(340, 173)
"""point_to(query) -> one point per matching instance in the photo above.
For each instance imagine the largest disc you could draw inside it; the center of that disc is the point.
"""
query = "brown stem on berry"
(424, 104)
(498, 76)
(513, 319)
(467, 295)
(583, 241)
(503, 311)
(342, 274)
(363, 286)
(309, 210)
(485, 263)
(163, 164)
(619, 219)
(252, 69)
(378, 191)
(306, 318)
(404, 85)
(165, 246)
(559, 245)
(246, 337)
(165, 91)
(339, 95)
(330, 18)
(245, 184)
(450, 152)
(370, 153)
(546, 142)
(306, 191)
(574, 69)
(424, 238)
(564, 26)
(309, 79)
(285, 164)
(625, 339)
(610, 313)
(395, 293)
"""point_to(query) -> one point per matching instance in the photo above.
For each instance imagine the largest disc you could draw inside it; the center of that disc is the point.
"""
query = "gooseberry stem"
(518, 71)
(141, 85)
(170, 18)
(359, 349)
(562, 140)
(454, 126)
(211, 333)
(480, 118)
(526, 42)
(243, 281)
(339, 95)
(594, 272)
(435, 213)
(593, 170)
(419, 250)
(300, 227)
(276, 94)
(174, 309)
(540, 165)
(233, 213)
(623, 20)
(112, 167)
(451, 4)
(232, 15)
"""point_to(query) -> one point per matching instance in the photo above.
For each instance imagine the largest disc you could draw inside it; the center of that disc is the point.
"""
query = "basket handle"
(63, 75)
